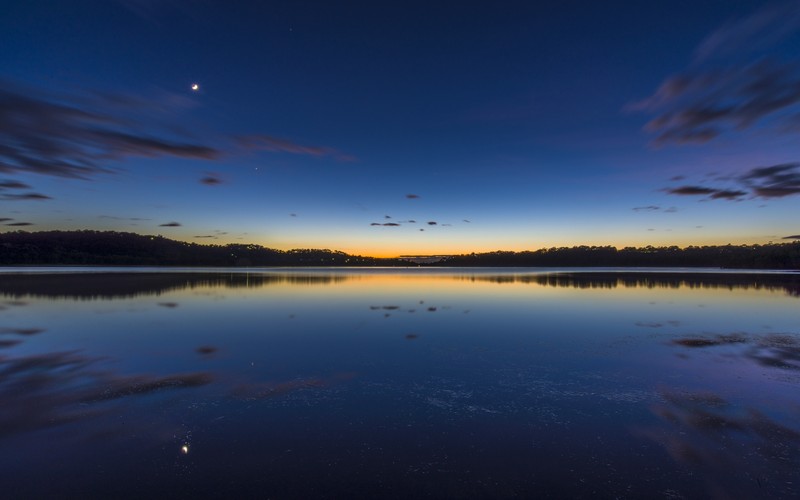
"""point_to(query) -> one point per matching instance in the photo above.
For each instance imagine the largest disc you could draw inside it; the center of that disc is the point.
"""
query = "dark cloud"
(211, 180)
(25, 196)
(774, 181)
(387, 224)
(22, 331)
(77, 136)
(792, 237)
(4, 219)
(170, 224)
(432, 223)
(206, 236)
(412, 196)
(723, 90)
(698, 108)
(412, 221)
(671, 210)
(465, 220)
(20, 224)
(263, 142)
(206, 350)
(12, 184)
(387, 216)
(691, 190)
(728, 194)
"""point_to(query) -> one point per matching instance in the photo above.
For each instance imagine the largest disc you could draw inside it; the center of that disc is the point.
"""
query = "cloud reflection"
(46, 390)
(734, 449)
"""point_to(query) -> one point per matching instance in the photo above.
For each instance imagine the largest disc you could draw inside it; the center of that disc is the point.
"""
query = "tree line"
(89, 247)
(768, 256)
(119, 248)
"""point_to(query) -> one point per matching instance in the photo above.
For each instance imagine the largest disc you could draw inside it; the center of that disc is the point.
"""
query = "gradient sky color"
(490, 125)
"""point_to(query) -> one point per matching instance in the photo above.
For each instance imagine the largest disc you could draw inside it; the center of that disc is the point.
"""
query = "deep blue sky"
(541, 123)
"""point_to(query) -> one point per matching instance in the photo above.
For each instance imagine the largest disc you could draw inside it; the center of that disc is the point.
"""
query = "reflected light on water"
(402, 384)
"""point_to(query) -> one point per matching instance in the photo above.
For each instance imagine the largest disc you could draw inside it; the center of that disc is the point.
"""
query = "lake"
(399, 383)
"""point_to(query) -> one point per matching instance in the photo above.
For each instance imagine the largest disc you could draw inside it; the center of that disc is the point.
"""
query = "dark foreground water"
(399, 384)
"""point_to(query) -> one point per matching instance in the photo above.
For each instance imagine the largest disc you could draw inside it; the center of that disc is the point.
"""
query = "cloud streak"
(77, 136)
(774, 181)
(754, 33)
(708, 98)
(25, 196)
(211, 180)
(264, 142)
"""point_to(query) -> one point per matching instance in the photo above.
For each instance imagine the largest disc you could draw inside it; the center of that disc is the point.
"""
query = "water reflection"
(790, 283)
(93, 286)
(103, 285)
(562, 385)
(46, 390)
(740, 452)
(772, 350)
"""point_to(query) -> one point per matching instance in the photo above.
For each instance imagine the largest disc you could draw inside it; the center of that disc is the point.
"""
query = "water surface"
(399, 383)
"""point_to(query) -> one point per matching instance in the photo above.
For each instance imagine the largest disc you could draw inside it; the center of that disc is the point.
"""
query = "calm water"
(399, 383)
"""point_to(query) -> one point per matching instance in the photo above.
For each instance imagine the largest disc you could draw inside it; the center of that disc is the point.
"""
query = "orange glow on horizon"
(389, 250)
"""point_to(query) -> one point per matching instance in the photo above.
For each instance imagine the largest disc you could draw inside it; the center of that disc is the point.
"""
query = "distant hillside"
(772, 256)
(116, 248)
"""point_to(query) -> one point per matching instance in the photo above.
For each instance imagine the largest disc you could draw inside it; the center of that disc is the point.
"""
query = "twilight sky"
(391, 128)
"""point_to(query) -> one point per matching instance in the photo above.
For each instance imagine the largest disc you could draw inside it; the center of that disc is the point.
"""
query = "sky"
(403, 128)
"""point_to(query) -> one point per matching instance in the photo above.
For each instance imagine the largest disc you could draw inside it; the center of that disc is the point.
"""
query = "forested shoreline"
(120, 248)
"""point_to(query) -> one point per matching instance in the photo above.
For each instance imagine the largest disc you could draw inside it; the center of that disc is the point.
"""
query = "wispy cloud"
(792, 237)
(19, 224)
(170, 224)
(696, 108)
(752, 34)
(77, 136)
(412, 196)
(732, 84)
(263, 142)
(774, 181)
(113, 217)
(706, 191)
(212, 179)
(25, 196)
(12, 184)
